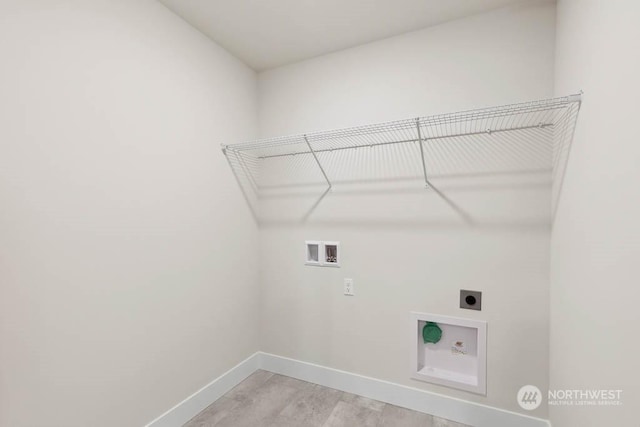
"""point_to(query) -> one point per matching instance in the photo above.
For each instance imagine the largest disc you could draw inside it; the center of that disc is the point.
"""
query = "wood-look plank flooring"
(270, 400)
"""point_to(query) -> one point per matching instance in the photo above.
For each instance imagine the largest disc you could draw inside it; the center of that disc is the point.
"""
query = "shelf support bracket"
(226, 152)
(424, 165)
(317, 161)
(455, 207)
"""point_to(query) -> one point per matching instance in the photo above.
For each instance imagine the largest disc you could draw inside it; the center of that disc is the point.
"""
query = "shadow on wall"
(513, 201)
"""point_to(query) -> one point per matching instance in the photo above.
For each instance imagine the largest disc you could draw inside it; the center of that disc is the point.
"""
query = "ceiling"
(270, 33)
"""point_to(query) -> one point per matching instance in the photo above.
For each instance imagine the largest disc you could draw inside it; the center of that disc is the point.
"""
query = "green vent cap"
(431, 333)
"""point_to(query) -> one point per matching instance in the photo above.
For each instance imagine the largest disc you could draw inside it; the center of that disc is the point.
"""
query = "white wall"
(121, 229)
(595, 242)
(491, 59)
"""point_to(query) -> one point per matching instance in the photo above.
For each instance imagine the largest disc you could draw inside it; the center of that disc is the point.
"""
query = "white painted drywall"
(123, 236)
(402, 256)
(596, 235)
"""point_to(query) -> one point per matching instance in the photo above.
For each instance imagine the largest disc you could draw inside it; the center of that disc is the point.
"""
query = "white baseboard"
(459, 410)
(194, 404)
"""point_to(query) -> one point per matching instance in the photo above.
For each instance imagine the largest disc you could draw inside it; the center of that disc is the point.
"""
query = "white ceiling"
(269, 33)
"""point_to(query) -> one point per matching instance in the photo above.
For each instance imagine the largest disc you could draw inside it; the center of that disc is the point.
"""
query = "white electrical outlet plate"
(348, 287)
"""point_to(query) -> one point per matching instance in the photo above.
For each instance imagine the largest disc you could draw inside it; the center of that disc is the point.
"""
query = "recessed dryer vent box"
(458, 360)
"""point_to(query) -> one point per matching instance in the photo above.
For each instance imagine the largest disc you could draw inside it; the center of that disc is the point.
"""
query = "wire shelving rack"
(532, 136)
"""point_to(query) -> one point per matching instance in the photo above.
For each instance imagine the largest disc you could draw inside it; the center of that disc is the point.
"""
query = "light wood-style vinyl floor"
(270, 400)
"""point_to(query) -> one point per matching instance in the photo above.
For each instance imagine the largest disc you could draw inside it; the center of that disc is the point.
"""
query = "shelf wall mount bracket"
(424, 165)
(315, 157)
(428, 185)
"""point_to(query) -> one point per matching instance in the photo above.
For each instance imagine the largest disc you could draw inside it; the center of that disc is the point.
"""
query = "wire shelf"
(518, 138)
